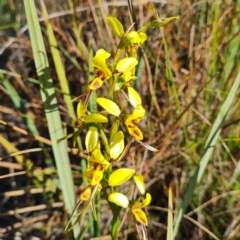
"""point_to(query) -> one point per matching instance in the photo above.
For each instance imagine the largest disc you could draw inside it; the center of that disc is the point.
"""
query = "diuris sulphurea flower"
(135, 206)
(105, 147)
(101, 69)
(96, 166)
(137, 211)
(134, 41)
(131, 40)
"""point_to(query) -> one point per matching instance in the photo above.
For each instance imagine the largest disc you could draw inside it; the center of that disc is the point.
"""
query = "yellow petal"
(117, 145)
(126, 64)
(147, 200)
(119, 199)
(103, 53)
(134, 131)
(136, 204)
(81, 112)
(116, 26)
(134, 97)
(97, 157)
(91, 139)
(85, 195)
(140, 216)
(134, 37)
(96, 117)
(120, 176)
(93, 176)
(136, 116)
(140, 183)
(127, 76)
(99, 61)
(142, 37)
(109, 106)
(95, 84)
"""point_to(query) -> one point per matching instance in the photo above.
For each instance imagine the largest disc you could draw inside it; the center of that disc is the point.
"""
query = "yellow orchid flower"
(96, 166)
(99, 63)
(120, 176)
(137, 38)
(117, 145)
(100, 69)
(138, 213)
(144, 203)
(134, 39)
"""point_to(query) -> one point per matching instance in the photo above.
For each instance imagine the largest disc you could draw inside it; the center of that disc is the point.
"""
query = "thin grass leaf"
(80, 44)
(51, 108)
(208, 149)
(170, 215)
(58, 63)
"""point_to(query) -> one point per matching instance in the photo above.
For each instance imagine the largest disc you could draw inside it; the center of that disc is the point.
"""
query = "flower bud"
(116, 26)
(91, 139)
(119, 199)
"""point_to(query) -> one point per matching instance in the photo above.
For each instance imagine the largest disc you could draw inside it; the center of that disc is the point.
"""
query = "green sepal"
(116, 26)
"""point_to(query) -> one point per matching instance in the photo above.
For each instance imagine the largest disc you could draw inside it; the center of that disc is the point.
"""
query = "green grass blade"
(208, 149)
(58, 63)
(80, 44)
(170, 215)
(51, 110)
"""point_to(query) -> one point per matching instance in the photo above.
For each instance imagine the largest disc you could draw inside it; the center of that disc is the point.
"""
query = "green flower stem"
(115, 223)
(115, 210)
(117, 55)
